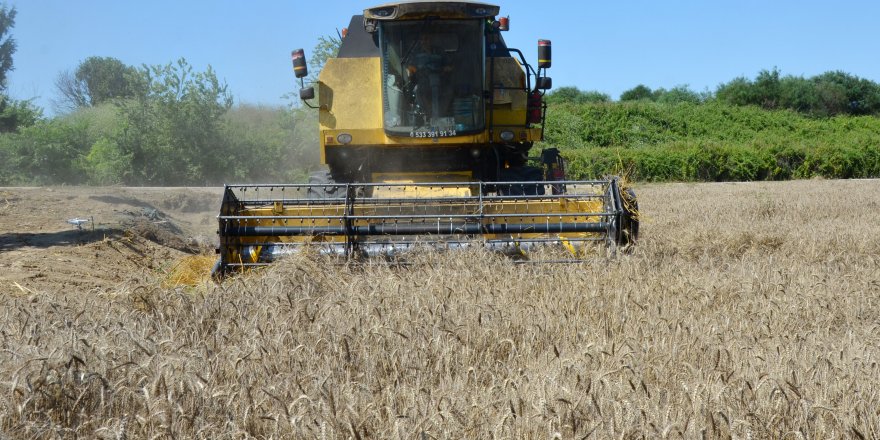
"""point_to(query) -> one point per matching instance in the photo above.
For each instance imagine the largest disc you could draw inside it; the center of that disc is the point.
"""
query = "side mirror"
(544, 83)
(298, 57)
(307, 93)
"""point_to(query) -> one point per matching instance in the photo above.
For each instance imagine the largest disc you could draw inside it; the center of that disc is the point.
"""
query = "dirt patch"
(116, 200)
(163, 237)
(125, 241)
(189, 202)
(156, 226)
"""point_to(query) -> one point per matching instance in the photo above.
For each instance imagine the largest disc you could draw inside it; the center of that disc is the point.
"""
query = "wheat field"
(746, 311)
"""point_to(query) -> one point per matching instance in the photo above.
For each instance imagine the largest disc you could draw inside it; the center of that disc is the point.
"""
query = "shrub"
(831, 93)
(711, 142)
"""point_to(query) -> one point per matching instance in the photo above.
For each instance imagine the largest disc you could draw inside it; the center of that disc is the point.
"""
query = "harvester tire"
(322, 178)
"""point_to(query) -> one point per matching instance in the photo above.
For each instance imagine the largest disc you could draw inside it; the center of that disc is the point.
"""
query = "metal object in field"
(260, 223)
(79, 222)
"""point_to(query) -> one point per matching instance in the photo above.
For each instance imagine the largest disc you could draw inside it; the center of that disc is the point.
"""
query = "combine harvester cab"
(427, 121)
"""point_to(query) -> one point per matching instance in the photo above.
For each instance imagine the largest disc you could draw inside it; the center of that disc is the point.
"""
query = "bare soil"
(132, 237)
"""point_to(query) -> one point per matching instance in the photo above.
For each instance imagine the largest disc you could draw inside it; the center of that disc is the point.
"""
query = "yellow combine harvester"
(427, 120)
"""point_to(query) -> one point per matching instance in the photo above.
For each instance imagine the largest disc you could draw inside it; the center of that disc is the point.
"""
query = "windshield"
(432, 77)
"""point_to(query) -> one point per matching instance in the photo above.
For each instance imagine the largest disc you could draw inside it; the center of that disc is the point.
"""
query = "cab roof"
(416, 9)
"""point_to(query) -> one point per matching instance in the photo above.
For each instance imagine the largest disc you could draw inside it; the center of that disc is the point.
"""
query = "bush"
(828, 94)
(638, 93)
(676, 95)
(271, 144)
(164, 139)
(15, 115)
(710, 142)
(573, 95)
(49, 152)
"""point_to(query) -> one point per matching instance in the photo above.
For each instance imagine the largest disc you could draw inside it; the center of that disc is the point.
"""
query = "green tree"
(564, 94)
(574, 95)
(638, 93)
(677, 94)
(96, 80)
(16, 114)
(824, 95)
(831, 98)
(798, 93)
(172, 133)
(48, 152)
(738, 91)
(7, 43)
(767, 89)
(855, 95)
(271, 143)
(593, 96)
(13, 114)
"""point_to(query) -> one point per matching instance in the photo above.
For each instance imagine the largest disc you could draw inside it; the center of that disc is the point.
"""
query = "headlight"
(344, 138)
(506, 136)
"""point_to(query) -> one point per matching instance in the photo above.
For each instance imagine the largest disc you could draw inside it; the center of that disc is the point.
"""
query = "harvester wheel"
(630, 219)
(324, 189)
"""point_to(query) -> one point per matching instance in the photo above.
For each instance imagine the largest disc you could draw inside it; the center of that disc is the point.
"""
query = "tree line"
(829, 94)
(156, 125)
(146, 125)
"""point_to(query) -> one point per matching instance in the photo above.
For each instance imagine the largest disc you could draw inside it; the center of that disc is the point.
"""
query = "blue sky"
(604, 46)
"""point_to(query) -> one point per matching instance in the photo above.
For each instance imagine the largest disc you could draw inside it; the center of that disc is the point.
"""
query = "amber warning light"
(544, 56)
(504, 24)
(299, 63)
